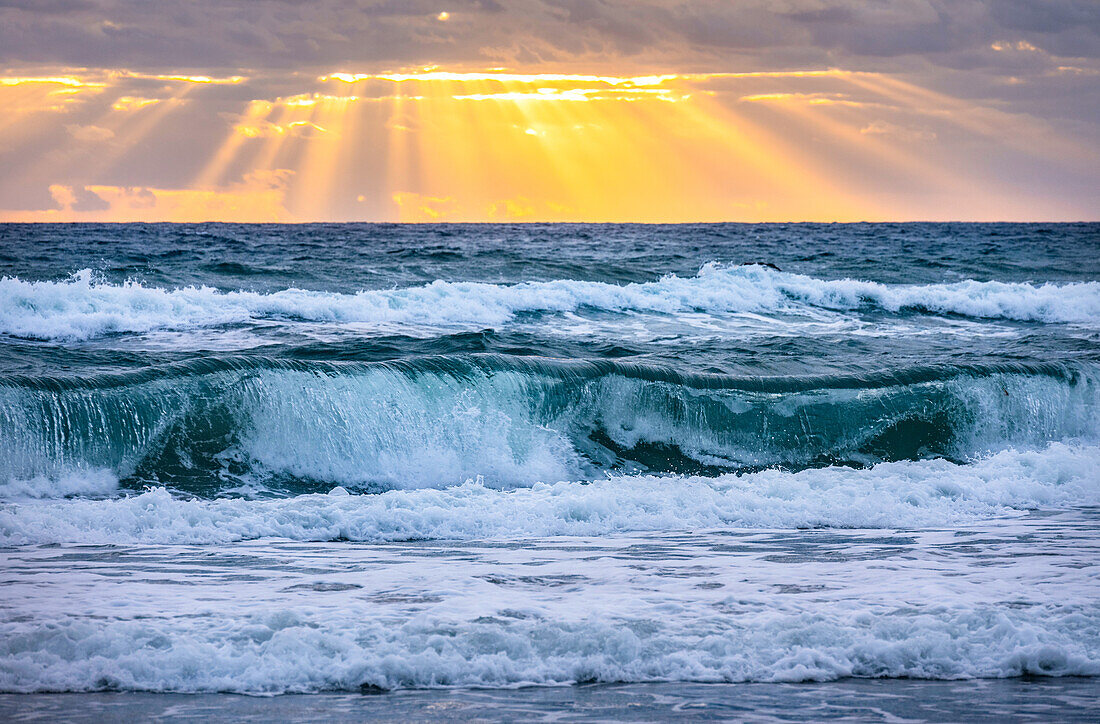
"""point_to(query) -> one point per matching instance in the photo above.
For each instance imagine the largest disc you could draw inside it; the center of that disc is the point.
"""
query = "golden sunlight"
(442, 145)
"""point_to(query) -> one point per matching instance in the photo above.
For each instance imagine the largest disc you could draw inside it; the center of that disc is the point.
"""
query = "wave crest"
(83, 308)
(210, 425)
(889, 495)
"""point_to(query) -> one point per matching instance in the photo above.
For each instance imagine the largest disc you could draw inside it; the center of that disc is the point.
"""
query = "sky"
(549, 110)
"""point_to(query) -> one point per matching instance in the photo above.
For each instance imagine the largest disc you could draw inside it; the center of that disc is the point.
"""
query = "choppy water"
(267, 459)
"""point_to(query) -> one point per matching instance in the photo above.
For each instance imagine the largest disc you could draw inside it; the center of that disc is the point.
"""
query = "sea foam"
(889, 495)
(269, 651)
(83, 308)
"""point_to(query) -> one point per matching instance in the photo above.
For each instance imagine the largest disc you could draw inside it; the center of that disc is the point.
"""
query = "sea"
(563, 472)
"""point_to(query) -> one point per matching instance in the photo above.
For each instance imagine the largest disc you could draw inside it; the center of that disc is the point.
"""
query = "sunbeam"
(435, 144)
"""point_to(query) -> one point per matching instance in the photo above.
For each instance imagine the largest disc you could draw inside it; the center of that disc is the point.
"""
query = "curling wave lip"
(293, 426)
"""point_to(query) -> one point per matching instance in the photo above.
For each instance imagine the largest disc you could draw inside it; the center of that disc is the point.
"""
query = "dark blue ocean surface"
(964, 313)
(402, 456)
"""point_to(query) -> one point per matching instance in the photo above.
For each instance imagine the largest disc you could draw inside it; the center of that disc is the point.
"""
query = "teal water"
(152, 351)
(315, 458)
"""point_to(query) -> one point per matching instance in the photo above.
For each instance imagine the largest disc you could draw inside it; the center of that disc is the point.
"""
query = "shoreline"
(1067, 699)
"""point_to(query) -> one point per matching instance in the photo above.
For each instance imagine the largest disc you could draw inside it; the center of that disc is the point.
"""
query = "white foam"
(290, 651)
(93, 482)
(890, 495)
(1002, 598)
(390, 429)
(82, 308)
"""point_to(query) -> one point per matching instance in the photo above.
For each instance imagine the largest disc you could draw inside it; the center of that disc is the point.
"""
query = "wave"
(904, 494)
(270, 651)
(83, 308)
(211, 425)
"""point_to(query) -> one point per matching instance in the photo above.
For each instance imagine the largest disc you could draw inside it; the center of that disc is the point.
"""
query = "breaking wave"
(209, 426)
(888, 495)
(83, 308)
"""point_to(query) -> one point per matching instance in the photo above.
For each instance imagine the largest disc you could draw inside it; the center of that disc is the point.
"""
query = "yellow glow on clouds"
(54, 80)
(258, 197)
(133, 103)
(439, 145)
(200, 79)
(432, 75)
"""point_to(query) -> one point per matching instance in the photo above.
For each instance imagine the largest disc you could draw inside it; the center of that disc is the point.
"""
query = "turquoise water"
(315, 458)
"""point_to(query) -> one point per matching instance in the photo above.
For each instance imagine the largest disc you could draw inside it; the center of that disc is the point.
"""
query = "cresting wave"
(211, 426)
(282, 490)
(890, 495)
(83, 308)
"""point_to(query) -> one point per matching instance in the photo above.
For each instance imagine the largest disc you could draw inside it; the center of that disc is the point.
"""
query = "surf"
(83, 307)
(903, 494)
(286, 427)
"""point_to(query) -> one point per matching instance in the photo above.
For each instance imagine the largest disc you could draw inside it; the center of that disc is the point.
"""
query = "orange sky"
(609, 139)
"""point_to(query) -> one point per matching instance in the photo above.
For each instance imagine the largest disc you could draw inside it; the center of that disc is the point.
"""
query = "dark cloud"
(1047, 17)
(938, 27)
(85, 200)
(48, 6)
(1042, 58)
(260, 34)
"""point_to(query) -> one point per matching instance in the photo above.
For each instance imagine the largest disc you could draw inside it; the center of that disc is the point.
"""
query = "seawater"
(341, 458)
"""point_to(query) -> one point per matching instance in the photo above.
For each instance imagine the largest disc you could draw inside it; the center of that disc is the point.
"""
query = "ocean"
(779, 471)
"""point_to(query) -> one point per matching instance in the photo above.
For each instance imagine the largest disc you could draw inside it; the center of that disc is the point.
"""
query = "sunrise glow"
(549, 360)
(468, 143)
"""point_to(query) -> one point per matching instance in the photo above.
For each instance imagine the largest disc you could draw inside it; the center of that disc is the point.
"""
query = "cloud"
(1022, 45)
(90, 134)
(522, 208)
(210, 34)
(69, 199)
(258, 197)
(25, 94)
(813, 99)
(49, 6)
(133, 103)
(267, 129)
(413, 207)
(893, 130)
(338, 90)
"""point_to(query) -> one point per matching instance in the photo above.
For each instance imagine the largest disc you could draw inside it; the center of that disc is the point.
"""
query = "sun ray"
(761, 145)
(401, 173)
(601, 157)
(22, 98)
(334, 120)
(1016, 131)
(256, 112)
(132, 127)
(871, 150)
